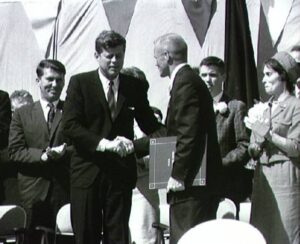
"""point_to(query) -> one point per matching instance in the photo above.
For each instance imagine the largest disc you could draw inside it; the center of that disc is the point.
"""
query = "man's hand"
(116, 146)
(175, 185)
(120, 145)
(55, 153)
(128, 144)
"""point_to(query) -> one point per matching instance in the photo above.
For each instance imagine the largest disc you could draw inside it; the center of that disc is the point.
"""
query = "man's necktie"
(111, 100)
(51, 115)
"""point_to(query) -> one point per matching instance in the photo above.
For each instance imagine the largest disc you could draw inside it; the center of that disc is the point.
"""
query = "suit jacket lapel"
(281, 107)
(38, 117)
(57, 118)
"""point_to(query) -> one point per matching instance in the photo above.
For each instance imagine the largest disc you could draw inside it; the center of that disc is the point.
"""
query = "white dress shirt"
(105, 83)
(46, 108)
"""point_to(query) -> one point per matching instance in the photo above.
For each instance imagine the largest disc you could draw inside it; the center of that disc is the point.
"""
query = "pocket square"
(131, 108)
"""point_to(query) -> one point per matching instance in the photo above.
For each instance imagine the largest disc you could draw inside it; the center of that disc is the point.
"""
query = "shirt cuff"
(102, 145)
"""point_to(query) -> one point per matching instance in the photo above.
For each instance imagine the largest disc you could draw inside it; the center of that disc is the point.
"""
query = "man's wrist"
(102, 145)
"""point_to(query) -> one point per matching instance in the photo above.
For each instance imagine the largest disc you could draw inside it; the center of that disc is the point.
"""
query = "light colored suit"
(276, 189)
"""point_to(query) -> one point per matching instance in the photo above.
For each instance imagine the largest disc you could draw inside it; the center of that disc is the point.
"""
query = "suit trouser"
(188, 213)
(103, 207)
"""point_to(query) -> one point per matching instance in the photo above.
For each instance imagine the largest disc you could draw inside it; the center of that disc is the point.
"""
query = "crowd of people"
(92, 149)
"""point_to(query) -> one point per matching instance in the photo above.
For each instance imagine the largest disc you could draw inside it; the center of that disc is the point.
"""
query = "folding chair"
(63, 229)
(12, 224)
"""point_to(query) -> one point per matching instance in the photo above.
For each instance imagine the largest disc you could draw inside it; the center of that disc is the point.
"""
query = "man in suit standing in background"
(190, 117)
(37, 144)
(232, 134)
(99, 112)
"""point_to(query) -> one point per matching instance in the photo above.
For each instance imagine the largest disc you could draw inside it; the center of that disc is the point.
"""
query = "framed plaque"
(162, 156)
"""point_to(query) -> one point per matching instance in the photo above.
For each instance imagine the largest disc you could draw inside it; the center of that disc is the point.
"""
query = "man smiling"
(37, 144)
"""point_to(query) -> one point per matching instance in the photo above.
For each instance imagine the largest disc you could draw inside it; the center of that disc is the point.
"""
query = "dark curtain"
(241, 82)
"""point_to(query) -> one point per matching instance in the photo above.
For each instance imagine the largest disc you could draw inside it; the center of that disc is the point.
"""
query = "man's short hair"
(51, 64)
(109, 39)
(19, 98)
(137, 73)
(174, 44)
(214, 61)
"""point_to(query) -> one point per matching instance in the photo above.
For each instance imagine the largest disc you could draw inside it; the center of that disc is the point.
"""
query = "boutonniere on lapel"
(221, 108)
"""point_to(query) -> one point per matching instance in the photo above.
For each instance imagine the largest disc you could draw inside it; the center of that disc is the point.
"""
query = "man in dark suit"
(191, 118)
(99, 112)
(232, 134)
(37, 144)
(5, 118)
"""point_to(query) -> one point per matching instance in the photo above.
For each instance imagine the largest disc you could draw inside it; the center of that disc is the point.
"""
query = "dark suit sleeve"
(73, 119)
(189, 116)
(146, 120)
(5, 118)
(18, 149)
(239, 154)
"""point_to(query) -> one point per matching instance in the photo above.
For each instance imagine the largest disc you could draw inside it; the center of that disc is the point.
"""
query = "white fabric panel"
(42, 15)
(291, 32)
(79, 24)
(253, 7)
(215, 36)
(153, 18)
(19, 50)
(276, 12)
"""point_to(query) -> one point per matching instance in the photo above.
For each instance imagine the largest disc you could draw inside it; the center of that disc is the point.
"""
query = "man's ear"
(96, 55)
(168, 57)
(37, 80)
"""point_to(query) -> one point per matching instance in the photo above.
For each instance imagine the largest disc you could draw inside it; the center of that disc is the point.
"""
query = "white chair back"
(223, 231)
(63, 220)
(226, 209)
(11, 216)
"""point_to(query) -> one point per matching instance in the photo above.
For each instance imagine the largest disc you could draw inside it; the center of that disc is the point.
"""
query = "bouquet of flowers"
(255, 115)
(260, 126)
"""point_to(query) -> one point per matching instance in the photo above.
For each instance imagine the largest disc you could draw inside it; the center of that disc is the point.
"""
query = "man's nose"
(54, 83)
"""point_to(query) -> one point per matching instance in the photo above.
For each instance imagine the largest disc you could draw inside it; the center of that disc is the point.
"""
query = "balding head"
(175, 45)
(170, 50)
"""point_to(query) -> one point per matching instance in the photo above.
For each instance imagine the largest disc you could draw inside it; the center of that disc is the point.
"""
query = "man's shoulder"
(27, 108)
(84, 75)
(133, 83)
(236, 104)
(3, 93)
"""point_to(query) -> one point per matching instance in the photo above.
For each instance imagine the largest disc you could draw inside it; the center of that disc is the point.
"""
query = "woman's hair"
(275, 65)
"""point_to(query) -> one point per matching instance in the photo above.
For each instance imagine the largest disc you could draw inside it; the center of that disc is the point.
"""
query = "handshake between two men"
(120, 145)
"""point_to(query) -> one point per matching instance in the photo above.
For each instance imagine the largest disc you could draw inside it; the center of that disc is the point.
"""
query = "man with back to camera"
(37, 144)
(99, 112)
(190, 117)
(232, 134)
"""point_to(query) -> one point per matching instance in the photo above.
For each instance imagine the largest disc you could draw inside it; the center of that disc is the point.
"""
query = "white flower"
(221, 107)
(255, 114)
